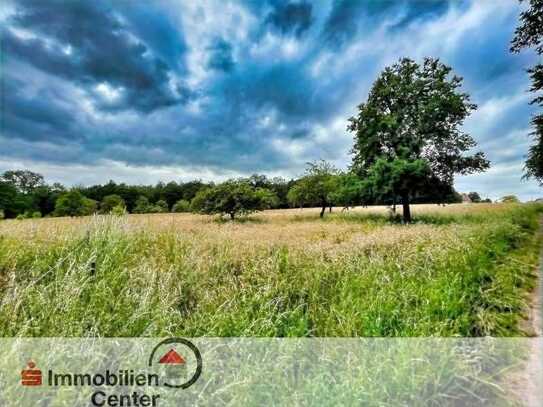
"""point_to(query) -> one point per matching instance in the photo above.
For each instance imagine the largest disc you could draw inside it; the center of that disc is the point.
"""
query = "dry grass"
(278, 273)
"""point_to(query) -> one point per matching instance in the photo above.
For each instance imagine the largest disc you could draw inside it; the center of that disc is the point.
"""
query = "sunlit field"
(458, 270)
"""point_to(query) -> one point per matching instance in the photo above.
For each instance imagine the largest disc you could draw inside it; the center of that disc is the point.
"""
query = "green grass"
(449, 274)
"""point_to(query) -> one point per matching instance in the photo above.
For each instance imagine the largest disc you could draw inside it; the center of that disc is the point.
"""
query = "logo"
(174, 363)
(31, 376)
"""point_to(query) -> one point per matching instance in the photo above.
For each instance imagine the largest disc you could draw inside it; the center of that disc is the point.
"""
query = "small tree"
(181, 206)
(474, 197)
(316, 187)
(408, 135)
(111, 201)
(233, 198)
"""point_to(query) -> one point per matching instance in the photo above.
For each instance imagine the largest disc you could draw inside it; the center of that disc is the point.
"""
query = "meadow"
(457, 270)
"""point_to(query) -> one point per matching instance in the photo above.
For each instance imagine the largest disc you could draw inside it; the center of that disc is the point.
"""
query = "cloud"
(85, 42)
(220, 57)
(219, 88)
(290, 17)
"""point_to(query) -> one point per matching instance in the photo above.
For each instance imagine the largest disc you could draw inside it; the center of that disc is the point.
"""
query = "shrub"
(36, 215)
(110, 202)
(181, 206)
(118, 210)
(510, 199)
(142, 205)
(74, 203)
(161, 207)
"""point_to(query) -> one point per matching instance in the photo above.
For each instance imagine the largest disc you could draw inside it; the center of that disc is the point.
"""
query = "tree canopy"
(408, 135)
(316, 187)
(530, 34)
(232, 198)
(25, 181)
(74, 203)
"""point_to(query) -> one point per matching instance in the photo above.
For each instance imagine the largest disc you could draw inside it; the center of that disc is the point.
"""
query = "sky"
(162, 90)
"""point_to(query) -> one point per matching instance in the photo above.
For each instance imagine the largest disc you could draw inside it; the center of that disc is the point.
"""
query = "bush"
(118, 210)
(110, 202)
(181, 206)
(510, 199)
(36, 215)
(142, 205)
(74, 203)
(161, 207)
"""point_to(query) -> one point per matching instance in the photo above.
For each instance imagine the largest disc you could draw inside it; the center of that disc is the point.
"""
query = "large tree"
(530, 34)
(25, 181)
(408, 133)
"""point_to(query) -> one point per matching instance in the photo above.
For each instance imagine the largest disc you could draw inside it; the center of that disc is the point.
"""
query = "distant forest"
(25, 194)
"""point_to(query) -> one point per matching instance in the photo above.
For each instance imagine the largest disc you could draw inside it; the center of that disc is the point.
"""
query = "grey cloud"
(291, 17)
(102, 51)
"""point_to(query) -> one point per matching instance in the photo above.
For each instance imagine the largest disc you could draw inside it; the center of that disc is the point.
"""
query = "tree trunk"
(394, 205)
(406, 208)
(322, 211)
(231, 215)
(330, 209)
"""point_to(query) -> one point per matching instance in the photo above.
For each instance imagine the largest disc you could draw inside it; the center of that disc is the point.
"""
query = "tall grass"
(457, 271)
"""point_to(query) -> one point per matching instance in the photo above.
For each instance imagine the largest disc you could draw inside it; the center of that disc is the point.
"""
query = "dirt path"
(527, 385)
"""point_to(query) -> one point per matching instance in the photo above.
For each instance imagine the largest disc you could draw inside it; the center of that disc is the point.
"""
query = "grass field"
(459, 270)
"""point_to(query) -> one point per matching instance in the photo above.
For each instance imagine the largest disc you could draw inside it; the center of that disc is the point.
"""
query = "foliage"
(350, 191)
(233, 198)
(73, 203)
(181, 206)
(118, 210)
(23, 180)
(110, 202)
(527, 35)
(510, 199)
(475, 197)
(142, 205)
(409, 130)
(160, 207)
(316, 187)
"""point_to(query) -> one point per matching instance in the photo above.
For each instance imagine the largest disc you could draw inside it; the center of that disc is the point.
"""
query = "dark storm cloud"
(348, 17)
(38, 117)
(220, 57)
(86, 42)
(290, 17)
(257, 86)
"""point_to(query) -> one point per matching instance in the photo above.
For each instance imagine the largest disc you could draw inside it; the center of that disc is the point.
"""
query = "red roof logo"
(172, 358)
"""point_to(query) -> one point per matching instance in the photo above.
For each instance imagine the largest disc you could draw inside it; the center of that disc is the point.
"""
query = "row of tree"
(25, 194)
